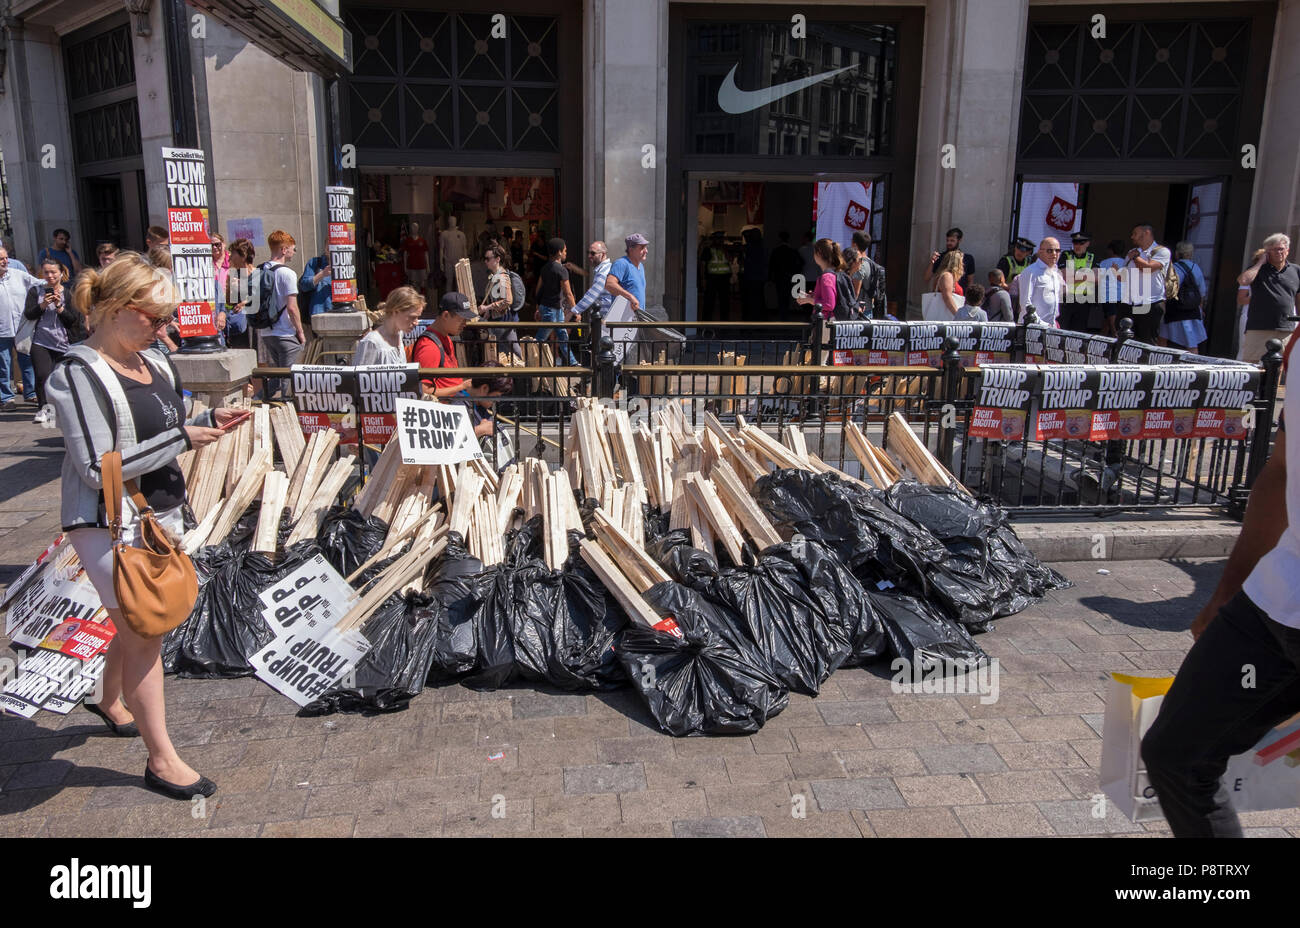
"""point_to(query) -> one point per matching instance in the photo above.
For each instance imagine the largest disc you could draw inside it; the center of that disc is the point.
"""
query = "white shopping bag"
(936, 308)
(1265, 777)
(1131, 706)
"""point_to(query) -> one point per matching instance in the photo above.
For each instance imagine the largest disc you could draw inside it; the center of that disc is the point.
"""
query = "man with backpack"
(1183, 325)
(872, 301)
(435, 348)
(277, 319)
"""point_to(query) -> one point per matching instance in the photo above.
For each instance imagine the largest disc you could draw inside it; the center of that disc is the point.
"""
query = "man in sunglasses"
(596, 294)
(1041, 285)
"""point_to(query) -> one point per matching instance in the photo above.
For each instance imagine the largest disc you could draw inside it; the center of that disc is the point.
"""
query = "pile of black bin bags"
(864, 576)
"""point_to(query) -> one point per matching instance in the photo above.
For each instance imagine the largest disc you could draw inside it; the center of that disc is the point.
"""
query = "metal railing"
(938, 402)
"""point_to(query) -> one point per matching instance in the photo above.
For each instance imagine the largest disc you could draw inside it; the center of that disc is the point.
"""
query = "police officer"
(1020, 257)
(1082, 312)
(717, 278)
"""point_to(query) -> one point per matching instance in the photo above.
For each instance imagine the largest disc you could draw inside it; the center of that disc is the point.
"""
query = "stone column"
(155, 114)
(970, 98)
(627, 109)
(1275, 205)
(36, 138)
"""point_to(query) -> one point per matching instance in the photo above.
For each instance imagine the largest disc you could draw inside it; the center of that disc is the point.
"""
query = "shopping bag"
(1265, 777)
(1132, 704)
(1268, 775)
(936, 308)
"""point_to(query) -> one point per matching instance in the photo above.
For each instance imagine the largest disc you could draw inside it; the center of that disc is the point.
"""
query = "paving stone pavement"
(858, 760)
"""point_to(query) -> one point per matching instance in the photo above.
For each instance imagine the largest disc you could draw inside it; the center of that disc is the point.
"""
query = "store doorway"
(753, 235)
(1182, 209)
(416, 226)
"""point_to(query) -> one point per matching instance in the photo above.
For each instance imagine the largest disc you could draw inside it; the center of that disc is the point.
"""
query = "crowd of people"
(1162, 290)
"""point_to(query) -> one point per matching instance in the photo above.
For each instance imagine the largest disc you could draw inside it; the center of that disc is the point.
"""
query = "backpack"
(1171, 282)
(846, 304)
(518, 293)
(1187, 298)
(265, 317)
(873, 299)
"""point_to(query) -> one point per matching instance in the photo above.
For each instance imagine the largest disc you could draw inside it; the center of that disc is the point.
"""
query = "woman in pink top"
(829, 260)
(220, 260)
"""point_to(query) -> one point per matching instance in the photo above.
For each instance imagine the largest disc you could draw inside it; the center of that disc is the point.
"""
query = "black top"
(1272, 296)
(553, 275)
(156, 407)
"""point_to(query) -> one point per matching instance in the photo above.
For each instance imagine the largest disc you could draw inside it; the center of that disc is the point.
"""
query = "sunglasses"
(154, 321)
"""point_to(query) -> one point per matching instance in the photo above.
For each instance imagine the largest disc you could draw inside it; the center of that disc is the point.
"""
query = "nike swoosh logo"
(733, 100)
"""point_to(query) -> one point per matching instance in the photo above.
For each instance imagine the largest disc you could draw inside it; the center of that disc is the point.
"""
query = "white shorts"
(95, 549)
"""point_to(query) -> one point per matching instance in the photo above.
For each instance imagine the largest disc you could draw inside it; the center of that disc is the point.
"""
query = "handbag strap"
(111, 468)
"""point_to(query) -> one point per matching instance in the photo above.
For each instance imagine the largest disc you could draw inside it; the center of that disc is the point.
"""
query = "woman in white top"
(383, 344)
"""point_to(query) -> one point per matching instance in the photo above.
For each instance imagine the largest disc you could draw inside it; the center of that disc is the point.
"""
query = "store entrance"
(1179, 210)
(418, 225)
(752, 235)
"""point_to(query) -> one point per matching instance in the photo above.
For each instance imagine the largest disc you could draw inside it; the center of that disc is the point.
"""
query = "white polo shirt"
(1274, 584)
(1040, 286)
(13, 297)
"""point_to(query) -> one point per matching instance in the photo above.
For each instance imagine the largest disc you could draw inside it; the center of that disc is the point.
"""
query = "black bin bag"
(226, 626)
(841, 596)
(921, 635)
(454, 586)
(709, 681)
(348, 539)
(401, 633)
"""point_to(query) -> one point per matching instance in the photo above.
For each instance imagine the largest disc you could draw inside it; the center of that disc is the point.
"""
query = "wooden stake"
(617, 584)
(275, 488)
(329, 488)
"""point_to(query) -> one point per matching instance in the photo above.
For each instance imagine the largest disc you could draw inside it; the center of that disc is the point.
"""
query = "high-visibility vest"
(1016, 268)
(1071, 263)
(718, 263)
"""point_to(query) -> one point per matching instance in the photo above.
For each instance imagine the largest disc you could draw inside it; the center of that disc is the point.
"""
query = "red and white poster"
(1049, 209)
(342, 243)
(191, 248)
(843, 208)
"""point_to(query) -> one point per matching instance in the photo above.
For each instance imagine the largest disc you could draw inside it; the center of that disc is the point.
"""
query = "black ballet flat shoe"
(122, 731)
(201, 787)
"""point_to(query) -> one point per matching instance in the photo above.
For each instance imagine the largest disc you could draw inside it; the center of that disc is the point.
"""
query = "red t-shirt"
(433, 349)
(417, 253)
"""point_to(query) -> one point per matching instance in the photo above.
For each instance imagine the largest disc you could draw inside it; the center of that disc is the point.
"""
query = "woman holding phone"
(58, 325)
(115, 393)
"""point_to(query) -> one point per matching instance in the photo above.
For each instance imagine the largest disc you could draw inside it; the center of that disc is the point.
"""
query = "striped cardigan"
(91, 410)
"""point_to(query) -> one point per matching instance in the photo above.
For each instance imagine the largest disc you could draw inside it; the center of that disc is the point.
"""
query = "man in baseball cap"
(434, 348)
(1078, 266)
(627, 274)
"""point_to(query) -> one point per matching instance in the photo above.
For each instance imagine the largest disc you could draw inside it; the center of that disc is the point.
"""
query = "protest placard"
(435, 433)
(378, 388)
(61, 671)
(189, 243)
(307, 656)
(1002, 406)
(58, 589)
(342, 243)
(325, 399)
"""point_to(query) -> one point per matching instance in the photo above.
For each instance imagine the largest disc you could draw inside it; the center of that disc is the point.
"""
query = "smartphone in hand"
(237, 421)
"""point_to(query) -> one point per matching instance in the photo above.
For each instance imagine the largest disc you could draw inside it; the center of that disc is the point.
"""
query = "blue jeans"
(561, 335)
(6, 371)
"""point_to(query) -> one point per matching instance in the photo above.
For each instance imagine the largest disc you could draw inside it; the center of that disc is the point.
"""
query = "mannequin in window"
(451, 245)
(415, 258)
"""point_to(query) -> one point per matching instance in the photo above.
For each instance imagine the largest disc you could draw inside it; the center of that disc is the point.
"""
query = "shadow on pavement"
(1169, 615)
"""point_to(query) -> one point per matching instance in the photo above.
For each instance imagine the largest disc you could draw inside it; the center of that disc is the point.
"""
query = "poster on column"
(1003, 404)
(324, 396)
(342, 241)
(190, 246)
(378, 388)
(196, 282)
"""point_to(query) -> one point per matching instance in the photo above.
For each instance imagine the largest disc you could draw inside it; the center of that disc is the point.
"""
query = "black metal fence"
(707, 373)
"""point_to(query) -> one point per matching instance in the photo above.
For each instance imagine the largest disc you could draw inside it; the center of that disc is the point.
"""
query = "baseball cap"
(457, 303)
(1081, 236)
(636, 238)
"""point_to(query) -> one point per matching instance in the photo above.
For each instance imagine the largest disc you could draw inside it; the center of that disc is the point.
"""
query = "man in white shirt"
(1242, 676)
(1146, 283)
(14, 284)
(1041, 285)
